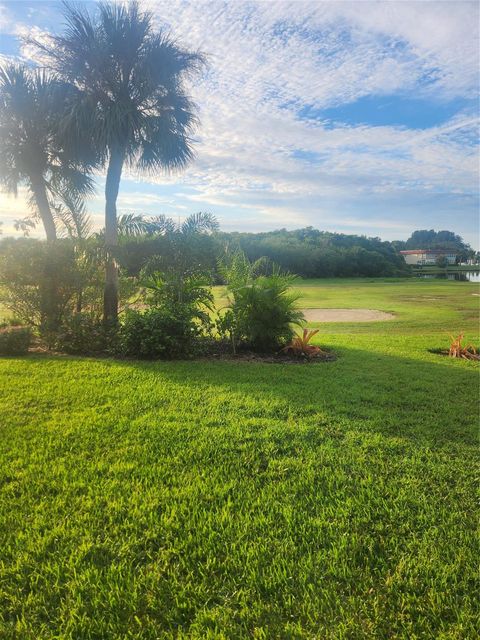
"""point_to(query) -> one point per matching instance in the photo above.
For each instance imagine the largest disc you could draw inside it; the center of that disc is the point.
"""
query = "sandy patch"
(346, 315)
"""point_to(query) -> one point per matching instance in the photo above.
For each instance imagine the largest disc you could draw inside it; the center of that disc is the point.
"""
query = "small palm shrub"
(177, 321)
(262, 309)
(14, 340)
(265, 311)
(173, 288)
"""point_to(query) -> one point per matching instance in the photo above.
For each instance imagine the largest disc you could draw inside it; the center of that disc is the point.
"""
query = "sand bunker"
(346, 315)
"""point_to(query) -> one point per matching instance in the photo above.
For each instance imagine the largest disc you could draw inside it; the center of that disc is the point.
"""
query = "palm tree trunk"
(112, 184)
(49, 312)
(39, 191)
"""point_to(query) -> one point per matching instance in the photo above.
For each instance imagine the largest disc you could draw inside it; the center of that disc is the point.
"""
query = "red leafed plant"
(458, 350)
(300, 346)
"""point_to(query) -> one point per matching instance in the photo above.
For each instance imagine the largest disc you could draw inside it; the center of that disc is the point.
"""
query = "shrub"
(227, 329)
(300, 345)
(180, 300)
(160, 332)
(15, 340)
(263, 309)
(173, 289)
(83, 333)
(39, 281)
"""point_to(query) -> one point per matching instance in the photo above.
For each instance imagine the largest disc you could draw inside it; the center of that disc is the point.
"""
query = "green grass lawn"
(247, 500)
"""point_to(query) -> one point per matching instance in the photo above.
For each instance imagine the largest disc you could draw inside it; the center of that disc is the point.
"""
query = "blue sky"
(356, 117)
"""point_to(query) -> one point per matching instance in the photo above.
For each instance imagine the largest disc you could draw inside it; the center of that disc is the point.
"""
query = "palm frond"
(32, 148)
(200, 222)
(160, 225)
(130, 83)
(133, 225)
(72, 214)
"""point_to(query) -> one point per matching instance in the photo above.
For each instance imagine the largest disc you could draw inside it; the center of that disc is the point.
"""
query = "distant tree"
(132, 101)
(431, 239)
(313, 254)
(32, 104)
(441, 261)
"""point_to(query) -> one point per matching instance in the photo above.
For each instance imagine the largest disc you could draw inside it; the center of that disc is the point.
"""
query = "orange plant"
(458, 350)
(300, 346)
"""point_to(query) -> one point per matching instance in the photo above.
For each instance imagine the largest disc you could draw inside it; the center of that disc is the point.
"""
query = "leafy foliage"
(265, 310)
(311, 253)
(177, 291)
(262, 308)
(38, 281)
(72, 218)
(130, 80)
(159, 332)
(14, 340)
(431, 239)
(171, 289)
(84, 333)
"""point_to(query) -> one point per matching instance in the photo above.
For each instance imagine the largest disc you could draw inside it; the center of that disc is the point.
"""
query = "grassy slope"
(224, 500)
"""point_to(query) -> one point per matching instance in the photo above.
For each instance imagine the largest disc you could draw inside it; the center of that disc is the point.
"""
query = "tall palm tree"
(132, 101)
(32, 103)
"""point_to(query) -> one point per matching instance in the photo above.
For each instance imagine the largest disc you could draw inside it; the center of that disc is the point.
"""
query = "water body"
(462, 276)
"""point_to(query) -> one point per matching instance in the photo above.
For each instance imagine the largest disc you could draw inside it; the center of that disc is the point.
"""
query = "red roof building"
(427, 256)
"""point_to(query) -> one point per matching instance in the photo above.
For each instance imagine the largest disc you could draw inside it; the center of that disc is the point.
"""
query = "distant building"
(427, 256)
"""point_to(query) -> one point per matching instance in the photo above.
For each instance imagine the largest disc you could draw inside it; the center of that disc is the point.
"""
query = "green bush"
(265, 311)
(83, 333)
(15, 340)
(160, 332)
(177, 320)
(38, 281)
(262, 308)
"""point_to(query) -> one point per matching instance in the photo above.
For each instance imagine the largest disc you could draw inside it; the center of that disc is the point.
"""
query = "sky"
(355, 117)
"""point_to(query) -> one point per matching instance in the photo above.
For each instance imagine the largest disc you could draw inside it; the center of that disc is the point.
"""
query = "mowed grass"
(246, 500)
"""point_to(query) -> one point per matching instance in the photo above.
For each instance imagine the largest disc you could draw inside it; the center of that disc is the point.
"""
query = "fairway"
(230, 500)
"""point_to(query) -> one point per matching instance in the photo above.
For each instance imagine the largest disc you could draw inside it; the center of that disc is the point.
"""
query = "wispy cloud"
(268, 155)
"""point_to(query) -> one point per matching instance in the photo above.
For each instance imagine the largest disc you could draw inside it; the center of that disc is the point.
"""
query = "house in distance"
(428, 256)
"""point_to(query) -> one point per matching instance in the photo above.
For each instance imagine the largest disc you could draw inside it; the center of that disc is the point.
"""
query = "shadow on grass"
(433, 404)
(397, 396)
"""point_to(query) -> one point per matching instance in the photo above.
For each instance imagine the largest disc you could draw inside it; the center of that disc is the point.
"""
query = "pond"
(462, 276)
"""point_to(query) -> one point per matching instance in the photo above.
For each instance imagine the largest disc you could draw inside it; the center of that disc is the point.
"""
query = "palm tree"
(31, 107)
(132, 101)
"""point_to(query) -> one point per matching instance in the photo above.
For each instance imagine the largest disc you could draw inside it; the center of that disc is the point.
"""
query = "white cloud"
(268, 60)
(5, 19)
